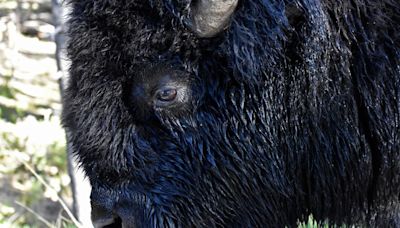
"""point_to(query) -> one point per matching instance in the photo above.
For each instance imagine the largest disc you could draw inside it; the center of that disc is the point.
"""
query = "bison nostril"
(122, 213)
(103, 217)
(107, 223)
(116, 223)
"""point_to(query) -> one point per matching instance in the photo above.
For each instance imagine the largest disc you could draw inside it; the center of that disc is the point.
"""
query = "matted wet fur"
(292, 110)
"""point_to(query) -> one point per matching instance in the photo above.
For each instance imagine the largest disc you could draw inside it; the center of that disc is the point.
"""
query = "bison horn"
(209, 17)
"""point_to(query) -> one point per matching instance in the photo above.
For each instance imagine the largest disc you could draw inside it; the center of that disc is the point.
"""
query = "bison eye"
(166, 94)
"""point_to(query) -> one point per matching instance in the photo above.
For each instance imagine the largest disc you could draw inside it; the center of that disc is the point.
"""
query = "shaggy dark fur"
(293, 110)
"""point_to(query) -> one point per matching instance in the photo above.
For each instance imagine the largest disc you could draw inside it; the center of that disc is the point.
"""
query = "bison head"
(228, 113)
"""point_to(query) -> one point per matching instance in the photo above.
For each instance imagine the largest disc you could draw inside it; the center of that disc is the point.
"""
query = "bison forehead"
(134, 32)
(137, 30)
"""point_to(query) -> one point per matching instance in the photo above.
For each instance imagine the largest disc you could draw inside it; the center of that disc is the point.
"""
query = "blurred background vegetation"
(32, 141)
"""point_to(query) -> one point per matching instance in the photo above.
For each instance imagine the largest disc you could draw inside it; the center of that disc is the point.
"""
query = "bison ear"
(209, 17)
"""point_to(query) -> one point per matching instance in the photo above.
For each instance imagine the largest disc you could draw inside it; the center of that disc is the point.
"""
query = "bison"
(236, 113)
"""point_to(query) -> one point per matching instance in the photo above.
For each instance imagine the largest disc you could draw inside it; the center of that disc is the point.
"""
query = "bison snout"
(103, 217)
(126, 212)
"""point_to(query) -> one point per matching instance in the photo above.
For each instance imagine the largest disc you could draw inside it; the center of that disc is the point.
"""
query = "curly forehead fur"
(295, 110)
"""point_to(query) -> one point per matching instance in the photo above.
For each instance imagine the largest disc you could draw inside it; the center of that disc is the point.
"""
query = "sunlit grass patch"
(312, 223)
(8, 92)
(41, 145)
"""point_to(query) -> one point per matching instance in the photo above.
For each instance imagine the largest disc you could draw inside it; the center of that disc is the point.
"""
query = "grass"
(37, 177)
(312, 223)
(6, 91)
